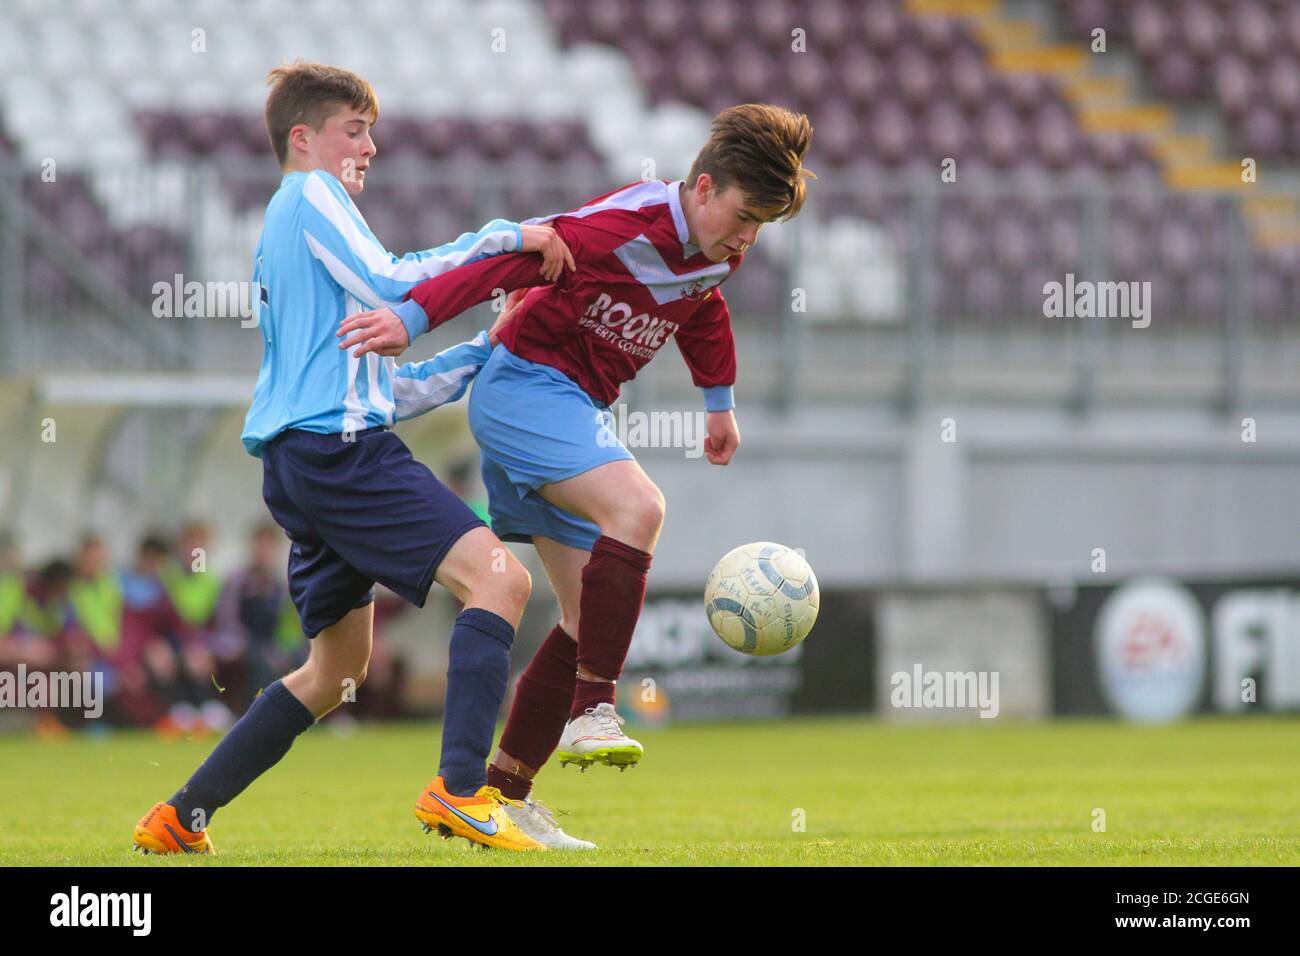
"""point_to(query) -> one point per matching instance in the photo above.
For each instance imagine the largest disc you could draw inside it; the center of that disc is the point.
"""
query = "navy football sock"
(255, 744)
(476, 684)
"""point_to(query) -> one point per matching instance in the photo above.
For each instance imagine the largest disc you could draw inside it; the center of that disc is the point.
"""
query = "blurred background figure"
(258, 635)
(25, 637)
(192, 587)
(166, 667)
(32, 617)
(95, 594)
(47, 615)
(18, 641)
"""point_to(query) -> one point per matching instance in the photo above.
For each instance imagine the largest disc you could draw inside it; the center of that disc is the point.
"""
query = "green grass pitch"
(1211, 791)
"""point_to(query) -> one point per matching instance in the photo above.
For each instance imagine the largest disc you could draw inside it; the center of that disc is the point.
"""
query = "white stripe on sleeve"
(419, 387)
(379, 262)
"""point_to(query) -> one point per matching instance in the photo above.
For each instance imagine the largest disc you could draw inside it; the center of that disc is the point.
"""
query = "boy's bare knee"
(639, 519)
(650, 510)
(327, 678)
(516, 586)
(507, 589)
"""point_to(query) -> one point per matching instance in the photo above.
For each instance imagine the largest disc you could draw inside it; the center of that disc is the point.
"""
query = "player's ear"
(703, 187)
(298, 136)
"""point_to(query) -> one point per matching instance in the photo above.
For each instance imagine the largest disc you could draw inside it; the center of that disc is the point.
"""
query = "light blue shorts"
(535, 427)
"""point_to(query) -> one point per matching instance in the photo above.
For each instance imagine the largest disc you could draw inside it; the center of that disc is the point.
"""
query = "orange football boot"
(161, 832)
(481, 819)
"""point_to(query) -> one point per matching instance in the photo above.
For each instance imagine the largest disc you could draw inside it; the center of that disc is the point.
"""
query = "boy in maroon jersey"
(650, 258)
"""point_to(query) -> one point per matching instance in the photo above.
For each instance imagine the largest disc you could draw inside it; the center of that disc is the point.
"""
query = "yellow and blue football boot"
(480, 818)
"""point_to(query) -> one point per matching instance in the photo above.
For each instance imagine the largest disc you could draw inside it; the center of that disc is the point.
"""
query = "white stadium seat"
(426, 60)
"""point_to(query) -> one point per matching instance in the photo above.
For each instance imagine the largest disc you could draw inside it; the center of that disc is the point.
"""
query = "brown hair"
(759, 148)
(311, 93)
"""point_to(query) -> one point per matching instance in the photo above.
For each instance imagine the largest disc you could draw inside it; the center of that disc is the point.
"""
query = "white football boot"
(538, 822)
(597, 737)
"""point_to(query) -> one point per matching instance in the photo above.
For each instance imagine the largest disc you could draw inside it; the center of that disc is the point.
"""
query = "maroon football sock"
(589, 693)
(512, 785)
(539, 712)
(613, 590)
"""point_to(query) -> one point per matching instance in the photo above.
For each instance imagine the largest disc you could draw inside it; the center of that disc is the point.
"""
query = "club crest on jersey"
(695, 291)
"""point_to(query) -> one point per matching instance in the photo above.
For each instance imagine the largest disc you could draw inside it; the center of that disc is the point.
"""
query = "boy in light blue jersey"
(357, 507)
(315, 260)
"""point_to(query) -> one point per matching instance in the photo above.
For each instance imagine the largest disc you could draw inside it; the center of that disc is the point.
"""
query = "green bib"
(13, 596)
(98, 605)
(194, 595)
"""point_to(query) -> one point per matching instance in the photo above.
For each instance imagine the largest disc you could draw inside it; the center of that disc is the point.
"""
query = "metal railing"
(889, 288)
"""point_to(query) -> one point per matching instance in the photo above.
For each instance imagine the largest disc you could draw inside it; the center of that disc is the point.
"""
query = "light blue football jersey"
(317, 262)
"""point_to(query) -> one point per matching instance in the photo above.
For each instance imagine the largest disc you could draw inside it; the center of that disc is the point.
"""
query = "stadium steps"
(1275, 219)
(1108, 103)
(951, 8)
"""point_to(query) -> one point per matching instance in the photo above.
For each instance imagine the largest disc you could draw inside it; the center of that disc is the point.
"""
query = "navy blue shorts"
(358, 513)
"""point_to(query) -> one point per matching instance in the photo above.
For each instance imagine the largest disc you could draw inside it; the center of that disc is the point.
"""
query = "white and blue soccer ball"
(762, 598)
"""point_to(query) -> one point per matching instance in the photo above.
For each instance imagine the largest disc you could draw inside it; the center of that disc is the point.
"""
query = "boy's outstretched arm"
(389, 331)
(419, 387)
(359, 263)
